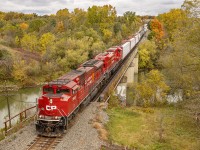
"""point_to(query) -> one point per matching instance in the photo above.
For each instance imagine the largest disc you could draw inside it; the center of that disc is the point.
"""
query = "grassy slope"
(137, 127)
(22, 54)
(12, 52)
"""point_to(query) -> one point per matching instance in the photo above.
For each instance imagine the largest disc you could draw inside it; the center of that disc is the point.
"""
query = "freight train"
(62, 98)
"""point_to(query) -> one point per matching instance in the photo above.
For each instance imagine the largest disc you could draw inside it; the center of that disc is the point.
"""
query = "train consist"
(62, 98)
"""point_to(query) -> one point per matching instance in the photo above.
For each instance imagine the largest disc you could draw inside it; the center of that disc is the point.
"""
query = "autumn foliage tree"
(157, 30)
(173, 20)
(24, 26)
(152, 90)
(147, 55)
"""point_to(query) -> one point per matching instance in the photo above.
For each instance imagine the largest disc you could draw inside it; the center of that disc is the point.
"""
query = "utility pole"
(8, 104)
(5, 89)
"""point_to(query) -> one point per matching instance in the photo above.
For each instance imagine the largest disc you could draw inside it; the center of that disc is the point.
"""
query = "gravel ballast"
(81, 135)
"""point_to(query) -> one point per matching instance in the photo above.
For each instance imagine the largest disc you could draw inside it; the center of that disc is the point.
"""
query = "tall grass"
(153, 128)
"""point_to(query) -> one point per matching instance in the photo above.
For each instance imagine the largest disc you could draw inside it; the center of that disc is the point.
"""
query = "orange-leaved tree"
(157, 29)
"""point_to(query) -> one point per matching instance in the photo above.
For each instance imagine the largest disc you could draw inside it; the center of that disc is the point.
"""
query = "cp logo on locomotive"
(51, 107)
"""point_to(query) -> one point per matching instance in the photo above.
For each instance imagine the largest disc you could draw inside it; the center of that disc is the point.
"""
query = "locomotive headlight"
(41, 116)
(50, 100)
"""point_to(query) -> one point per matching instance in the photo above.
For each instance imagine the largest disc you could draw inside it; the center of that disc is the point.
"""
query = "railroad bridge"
(129, 75)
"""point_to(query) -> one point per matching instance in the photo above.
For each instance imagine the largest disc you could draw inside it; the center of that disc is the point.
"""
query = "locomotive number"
(50, 107)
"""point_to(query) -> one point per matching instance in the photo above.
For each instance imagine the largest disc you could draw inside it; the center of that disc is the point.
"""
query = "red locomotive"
(62, 98)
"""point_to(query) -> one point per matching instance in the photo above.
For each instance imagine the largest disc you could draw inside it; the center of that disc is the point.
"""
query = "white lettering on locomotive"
(51, 107)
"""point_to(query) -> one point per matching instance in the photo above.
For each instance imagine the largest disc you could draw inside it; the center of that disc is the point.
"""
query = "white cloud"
(141, 7)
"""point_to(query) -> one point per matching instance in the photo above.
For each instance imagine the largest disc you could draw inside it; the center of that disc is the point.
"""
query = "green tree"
(29, 42)
(46, 41)
(78, 18)
(62, 14)
(102, 17)
(35, 25)
(6, 64)
(147, 55)
(72, 55)
(107, 35)
(96, 48)
(152, 90)
(182, 62)
(19, 71)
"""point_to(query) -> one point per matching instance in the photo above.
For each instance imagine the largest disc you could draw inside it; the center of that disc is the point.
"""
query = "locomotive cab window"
(63, 91)
(48, 90)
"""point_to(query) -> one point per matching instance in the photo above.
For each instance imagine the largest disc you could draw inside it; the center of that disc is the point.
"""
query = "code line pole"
(8, 105)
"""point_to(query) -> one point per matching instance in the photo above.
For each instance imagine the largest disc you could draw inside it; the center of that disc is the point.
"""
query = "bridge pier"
(135, 61)
(130, 73)
(133, 69)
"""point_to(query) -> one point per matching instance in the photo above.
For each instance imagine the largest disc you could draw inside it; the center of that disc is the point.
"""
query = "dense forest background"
(35, 49)
(173, 48)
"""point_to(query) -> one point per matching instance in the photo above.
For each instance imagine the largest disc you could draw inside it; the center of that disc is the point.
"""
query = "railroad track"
(44, 143)
(50, 143)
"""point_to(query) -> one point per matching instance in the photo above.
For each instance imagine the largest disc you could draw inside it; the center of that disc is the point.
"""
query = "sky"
(47, 7)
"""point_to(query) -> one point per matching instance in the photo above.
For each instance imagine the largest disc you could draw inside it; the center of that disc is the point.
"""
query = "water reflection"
(19, 101)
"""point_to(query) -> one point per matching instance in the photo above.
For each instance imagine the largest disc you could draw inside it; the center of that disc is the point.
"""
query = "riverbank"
(18, 101)
(153, 128)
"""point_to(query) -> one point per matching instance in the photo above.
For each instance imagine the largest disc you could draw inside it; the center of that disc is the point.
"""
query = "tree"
(172, 20)
(78, 18)
(60, 26)
(152, 90)
(63, 19)
(181, 58)
(96, 48)
(19, 71)
(24, 26)
(147, 55)
(29, 42)
(192, 8)
(157, 29)
(107, 35)
(17, 41)
(9, 32)
(6, 63)
(62, 14)
(72, 55)
(129, 17)
(35, 25)
(46, 41)
(102, 17)
(182, 62)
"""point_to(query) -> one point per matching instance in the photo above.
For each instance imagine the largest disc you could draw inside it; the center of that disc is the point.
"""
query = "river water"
(124, 93)
(19, 101)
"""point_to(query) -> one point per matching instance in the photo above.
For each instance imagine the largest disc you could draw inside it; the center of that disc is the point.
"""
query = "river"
(19, 101)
